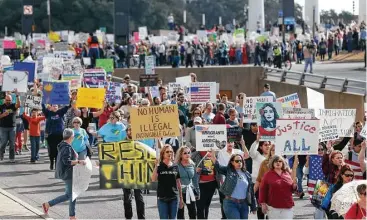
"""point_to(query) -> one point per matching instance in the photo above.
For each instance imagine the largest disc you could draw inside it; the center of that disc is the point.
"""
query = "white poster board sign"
(33, 102)
(210, 137)
(328, 133)
(315, 100)
(297, 137)
(291, 100)
(201, 92)
(249, 113)
(149, 65)
(184, 80)
(81, 178)
(364, 131)
(143, 33)
(15, 80)
(298, 113)
(174, 87)
(343, 119)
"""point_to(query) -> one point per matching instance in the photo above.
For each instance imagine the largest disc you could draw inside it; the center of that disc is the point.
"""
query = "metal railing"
(358, 86)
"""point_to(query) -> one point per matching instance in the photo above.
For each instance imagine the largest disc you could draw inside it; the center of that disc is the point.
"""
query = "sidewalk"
(13, 208)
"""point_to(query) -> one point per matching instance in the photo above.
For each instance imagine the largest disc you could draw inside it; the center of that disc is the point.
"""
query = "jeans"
(206, 194)
(319, 214)
(93, 54)
(235, 210)
(221, 199)
(35, 147)
(42, 138)
(300, 177)
(191, 208)
(139, 201)
(91, 139)
(167, 210)
(67, 196)
(83, 154)
(8, 135)
(257, 60)
(141, 60)
(308, 62)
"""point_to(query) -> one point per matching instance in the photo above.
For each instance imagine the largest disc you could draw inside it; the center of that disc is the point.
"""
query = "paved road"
(35, 183)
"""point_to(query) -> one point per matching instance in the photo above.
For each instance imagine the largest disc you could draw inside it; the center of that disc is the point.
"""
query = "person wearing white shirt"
(171, 22)
(162, 52)
(223, 158)
(258, 152)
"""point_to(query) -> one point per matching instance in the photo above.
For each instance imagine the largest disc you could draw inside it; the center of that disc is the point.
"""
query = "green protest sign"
(106, 64)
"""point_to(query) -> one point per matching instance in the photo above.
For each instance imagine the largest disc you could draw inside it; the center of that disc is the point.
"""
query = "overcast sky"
(337, 5)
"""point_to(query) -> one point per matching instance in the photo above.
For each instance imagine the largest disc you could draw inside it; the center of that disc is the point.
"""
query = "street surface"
(35, 184)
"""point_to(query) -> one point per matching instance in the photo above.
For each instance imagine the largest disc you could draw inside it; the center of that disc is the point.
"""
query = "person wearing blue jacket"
(237, 188)
(54, 128)
(66, 159)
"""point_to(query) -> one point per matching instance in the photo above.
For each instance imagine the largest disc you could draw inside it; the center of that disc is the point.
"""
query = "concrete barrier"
(250, 81)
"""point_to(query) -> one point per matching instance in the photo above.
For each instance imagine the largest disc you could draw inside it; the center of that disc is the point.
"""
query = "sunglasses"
(320, 149)
(169, 152)
(185, 153)
(349, 175)
(237, 161)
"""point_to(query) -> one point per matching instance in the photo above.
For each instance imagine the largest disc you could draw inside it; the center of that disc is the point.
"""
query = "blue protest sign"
(29, 67)
(92, 77)
(56, 93)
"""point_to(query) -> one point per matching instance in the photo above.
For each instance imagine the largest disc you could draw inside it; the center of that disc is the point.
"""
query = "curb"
(25, 205)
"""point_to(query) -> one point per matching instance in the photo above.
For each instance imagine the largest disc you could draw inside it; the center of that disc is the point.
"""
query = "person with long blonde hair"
(169, 191)
(189, 182)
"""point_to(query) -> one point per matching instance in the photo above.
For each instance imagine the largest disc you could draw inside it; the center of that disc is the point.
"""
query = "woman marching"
(169, 190)
(237, 188)
(189, 182)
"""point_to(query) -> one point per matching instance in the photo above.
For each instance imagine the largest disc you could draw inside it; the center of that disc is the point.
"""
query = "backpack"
(94, 40)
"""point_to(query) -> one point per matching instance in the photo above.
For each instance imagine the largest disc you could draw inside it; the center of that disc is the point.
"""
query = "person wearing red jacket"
(219, 118)
(232, 54)
(277, 183)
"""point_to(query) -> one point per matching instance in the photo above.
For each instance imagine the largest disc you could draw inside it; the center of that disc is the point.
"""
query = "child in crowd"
(18, 135)
(34, 132)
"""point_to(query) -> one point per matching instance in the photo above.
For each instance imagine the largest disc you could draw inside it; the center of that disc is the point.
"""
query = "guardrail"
(323, 82)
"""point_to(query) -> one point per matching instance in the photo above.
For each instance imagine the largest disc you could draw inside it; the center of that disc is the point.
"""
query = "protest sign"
(61, 46)
(149, 65)
(9, 44)
(93, 76)
(49, 64)
(267, 115)
(234, 134)
(201, 92)
(295, 136)
(15, 80)
(75, 80)
(328, 133)
(66, 55)
(174, 87)
(249, 114)
(113, 91)
(184, 80)
(143, 32)
(154, 122)
(81, 177)
(33, 102)
(210, 137)
(126, 164)
(148, 80)
(30, 68)
(315, 100)
(106, 64)
(56, 93)
(73, 67)
(90, 97)
(291, 100)
(298, 113)
(364, 131)
(343, 119)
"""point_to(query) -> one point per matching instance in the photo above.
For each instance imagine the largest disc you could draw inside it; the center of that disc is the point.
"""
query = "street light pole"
(313, 21)
(49, 15)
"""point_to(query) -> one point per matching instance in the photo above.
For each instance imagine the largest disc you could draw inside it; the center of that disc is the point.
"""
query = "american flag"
(200, 93)
(315, 171)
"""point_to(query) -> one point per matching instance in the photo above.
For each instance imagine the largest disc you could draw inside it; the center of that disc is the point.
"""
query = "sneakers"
(33, 161)
(45, 209)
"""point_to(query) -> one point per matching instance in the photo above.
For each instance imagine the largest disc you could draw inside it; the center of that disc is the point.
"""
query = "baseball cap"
(198, 120)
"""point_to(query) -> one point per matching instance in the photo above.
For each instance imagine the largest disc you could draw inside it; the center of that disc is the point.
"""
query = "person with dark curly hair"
(269, 115)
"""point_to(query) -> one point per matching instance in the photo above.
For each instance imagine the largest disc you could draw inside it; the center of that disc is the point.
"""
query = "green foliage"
(345, 17)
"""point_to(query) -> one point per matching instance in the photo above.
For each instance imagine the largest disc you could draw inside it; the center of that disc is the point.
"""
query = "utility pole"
(313, 22)
(49, 15)
(184, 16)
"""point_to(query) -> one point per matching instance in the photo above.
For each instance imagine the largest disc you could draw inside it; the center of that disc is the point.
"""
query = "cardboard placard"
(267, 116)
(148, 80)
(343, 119)
(234, 134)
(249, 114)
(295, 136)
(210, 137)
(126, 164)
(106, 64)
(33, 102)
(328, 133)
(154, 122)
(93, 76)
(291, 100)
(15, 80)
(90, 97)
(56, 93)
(30, 68)
(201, 92)
(298, 113)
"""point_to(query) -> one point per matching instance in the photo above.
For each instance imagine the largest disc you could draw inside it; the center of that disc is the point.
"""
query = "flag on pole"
(315, 172)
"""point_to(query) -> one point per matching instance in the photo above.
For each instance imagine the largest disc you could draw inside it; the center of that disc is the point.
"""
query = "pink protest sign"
(9, 44)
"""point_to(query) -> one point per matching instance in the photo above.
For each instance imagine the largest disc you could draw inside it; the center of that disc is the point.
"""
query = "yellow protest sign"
(154, 122)
(54, 37)
(126, 164)
(90, 97)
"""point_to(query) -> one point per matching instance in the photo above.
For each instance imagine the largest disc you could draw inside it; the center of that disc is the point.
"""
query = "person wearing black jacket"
(66, 159)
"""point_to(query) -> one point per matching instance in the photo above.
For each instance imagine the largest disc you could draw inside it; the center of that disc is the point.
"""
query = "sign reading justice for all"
(154, 122)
